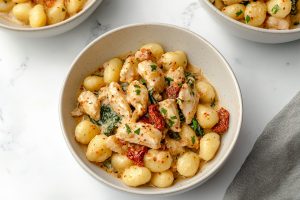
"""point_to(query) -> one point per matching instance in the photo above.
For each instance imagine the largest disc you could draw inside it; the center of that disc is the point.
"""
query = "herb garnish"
(163, 111)
(138, 92)
(193, 139)
(239, 13)
(153, 67)
(275, 9)
(168, 80)
(247, 19)
(174, 135)
(128, 129)
(137, 131)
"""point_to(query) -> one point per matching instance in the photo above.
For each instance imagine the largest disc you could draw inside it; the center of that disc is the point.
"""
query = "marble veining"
(97, 29)
(19, 71)
(188, 13)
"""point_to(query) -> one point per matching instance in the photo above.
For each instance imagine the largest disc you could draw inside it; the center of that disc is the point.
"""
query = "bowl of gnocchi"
(151, 109)
(265, 21)
(44, 18)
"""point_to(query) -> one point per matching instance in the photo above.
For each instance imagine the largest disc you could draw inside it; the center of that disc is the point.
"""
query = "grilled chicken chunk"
(175, 75)
(117, 100)
(137, 96)
(188, 99)
(168, 109)
(129, 70)
(153, 75)
(140, 133)
(90, 104)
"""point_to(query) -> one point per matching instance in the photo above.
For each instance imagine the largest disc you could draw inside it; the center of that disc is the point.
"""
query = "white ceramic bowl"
(200, 53)
(249, 32)
(51, 30)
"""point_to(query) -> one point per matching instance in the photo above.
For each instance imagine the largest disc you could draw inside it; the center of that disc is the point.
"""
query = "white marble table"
(35, 162)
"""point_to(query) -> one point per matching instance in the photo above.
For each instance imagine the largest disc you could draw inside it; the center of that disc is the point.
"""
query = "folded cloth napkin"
(272, 169)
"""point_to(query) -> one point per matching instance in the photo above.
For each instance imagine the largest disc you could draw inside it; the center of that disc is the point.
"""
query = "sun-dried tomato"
(155, 117)
(145, 119)
(136, 153)
(173, 91)
(223, 124)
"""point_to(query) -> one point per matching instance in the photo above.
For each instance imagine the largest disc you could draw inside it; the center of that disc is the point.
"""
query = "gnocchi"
(97, 150)
(135, 176)
(209, 145)
(268, 14)
(149, 117)
(188, 164)
(85, 131)
(39, 13)
(162, 179)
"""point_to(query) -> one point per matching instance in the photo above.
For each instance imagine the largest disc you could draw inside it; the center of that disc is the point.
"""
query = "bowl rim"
(263, 30)
(183, 188)
(44, 28)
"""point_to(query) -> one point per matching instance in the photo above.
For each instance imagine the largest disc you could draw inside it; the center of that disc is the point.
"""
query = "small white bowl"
(200, 53)
(50, 30)
(250, 32)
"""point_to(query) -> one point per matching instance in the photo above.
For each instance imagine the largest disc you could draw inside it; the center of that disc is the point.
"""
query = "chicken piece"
(129, 70)
(188, 137)
(117, 101)
(137, 96)
(144, 54)
(103, 95)
(174, 146)
(175, 76)
(168, 109)
(90, 104)
(277, 23)
(153, 75)
(188, 99)
(114, 144)
(140, 133)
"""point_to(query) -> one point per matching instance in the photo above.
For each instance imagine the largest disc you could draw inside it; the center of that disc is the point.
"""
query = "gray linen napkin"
(272, 169)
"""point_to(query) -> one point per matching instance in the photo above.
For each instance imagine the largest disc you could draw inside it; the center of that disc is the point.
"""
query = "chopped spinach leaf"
(152, 99)
(174, 135)
(128, 129)
(108, 121)
(197, 128)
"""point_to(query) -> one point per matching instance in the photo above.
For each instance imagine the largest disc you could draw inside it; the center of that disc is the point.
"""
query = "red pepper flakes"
(223, 124)
(145, 119)
(155, 117)
(136, 153)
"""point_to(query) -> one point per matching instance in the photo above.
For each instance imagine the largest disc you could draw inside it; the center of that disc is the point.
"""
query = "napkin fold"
(272, 169)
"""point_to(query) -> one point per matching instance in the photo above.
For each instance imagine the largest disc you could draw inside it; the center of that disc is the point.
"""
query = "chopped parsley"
(128, 129)
(170, 122)
(136, 86)
(181, 116)
(174, 117)
(138, 92)
(275, 9)
(239, 13)
(163, 111)
(247, 19)
(168, 80)
(174, 135)
(193, 139)
(190, 78)
(137, 131)
(197, 128)
(143, 81)
(153, 67)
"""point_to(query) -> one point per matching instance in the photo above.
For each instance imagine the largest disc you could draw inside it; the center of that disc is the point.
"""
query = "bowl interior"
(7, 21)
(200, 53)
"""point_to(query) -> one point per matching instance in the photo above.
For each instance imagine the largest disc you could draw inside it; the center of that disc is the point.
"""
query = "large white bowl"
(200, 53)
(51, 30)
(249, 32)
